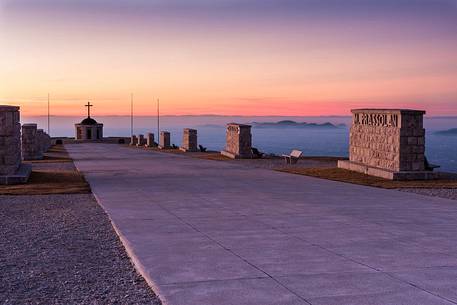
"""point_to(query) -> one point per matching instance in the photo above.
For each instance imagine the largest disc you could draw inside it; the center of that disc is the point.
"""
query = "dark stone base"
(188, 150)
(20, 177)
(234, 156)
(387, 174)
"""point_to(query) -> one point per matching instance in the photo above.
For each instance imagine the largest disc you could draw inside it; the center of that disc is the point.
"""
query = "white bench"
(293, 157)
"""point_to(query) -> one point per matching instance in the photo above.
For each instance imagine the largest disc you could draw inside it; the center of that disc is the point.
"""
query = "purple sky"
(216, 56)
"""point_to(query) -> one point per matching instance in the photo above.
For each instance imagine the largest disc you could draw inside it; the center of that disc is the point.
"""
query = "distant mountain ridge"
(293, 124)
(448, 132)
(284, 124)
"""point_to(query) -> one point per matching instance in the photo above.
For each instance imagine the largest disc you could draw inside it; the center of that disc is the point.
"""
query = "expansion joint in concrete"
(235, 254)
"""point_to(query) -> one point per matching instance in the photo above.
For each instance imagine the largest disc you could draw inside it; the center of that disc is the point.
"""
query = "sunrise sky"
(237, 57)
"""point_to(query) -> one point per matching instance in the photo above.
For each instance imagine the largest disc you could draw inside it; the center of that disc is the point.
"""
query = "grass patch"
(50, 181)
(217, 156)
(59, 149)
(55, 154)
(343, 175)
(213, 156)
(46, 182)
(165, 150)
(168, 150)
(50, 159)
(323, 158)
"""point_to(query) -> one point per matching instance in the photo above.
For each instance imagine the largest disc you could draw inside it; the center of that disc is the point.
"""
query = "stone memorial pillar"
(11, 169)
(238, 141)
(150, 139)
(30, 143)
(164, 141)
(388, 143)
(189, 140)
(48, 142)
(41, 140)
(140, 141)
(133, 140)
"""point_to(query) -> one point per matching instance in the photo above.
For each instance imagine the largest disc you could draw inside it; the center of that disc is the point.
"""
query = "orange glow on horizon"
(254, 65)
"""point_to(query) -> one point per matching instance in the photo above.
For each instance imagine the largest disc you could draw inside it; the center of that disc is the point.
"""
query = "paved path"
(212, 233)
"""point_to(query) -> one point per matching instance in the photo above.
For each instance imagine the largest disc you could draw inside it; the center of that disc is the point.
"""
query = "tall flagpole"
(158, 120)
(131, 114)
(49, 118)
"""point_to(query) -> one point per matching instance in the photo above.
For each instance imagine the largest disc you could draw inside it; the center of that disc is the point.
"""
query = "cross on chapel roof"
(88, 105)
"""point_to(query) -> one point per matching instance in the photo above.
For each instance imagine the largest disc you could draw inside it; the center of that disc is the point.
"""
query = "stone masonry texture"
(238, 140)
(189, 139)
(41, 141)
(150, 139)
(388, 139)
(133, 140)
(10, 140)
(164, 139)
(141, 140)
(31, 146)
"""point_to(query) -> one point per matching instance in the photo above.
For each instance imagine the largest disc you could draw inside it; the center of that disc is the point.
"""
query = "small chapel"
(89, 129)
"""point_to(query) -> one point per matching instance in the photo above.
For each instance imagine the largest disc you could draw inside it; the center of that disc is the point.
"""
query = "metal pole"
(158, 120)
(131, 114)
(49, 118)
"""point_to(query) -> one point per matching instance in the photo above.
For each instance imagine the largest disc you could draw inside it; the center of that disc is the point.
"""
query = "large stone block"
(189, 140)
(10, 154)
(11, 170)
(391, 140)
(238, 141)
(141, 141)
(41, 141)
(133, 140)
(30, 143)
(150, 140)
(9, 121)
(165, 140)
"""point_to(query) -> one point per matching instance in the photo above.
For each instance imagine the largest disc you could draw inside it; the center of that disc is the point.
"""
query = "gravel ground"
(62, 249)
(443, 193)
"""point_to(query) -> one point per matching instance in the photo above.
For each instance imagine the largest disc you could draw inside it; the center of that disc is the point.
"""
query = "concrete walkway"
(212, 233)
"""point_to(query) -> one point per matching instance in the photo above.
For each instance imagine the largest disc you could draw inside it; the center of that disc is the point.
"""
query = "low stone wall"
(105, 140)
